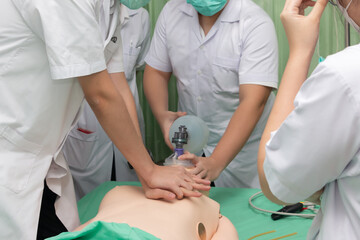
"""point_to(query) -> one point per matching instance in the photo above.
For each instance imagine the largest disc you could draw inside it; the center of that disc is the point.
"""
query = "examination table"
(233, 204)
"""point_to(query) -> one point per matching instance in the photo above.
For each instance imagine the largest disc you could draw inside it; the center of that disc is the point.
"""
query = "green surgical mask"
(134, 4)
(208, 7)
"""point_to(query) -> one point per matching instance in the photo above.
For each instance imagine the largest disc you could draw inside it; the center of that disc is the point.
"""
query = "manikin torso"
(189, 218)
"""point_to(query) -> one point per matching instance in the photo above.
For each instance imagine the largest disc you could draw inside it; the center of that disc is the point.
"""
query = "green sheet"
(105, 230)
(233, 204)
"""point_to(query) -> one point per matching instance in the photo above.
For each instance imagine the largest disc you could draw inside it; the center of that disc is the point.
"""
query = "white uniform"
(88, 150)
(44, 45)
(241, 48)
(318, 145)
(135, 33)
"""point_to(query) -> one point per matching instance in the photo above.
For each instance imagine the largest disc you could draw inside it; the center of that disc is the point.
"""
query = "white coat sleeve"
(158, 56)
(116, 62)
(145, 44)
(259, 57)
(70, 33)
(317, 140)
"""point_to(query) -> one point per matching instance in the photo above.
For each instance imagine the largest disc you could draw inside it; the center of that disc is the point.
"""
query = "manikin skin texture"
(196, 218)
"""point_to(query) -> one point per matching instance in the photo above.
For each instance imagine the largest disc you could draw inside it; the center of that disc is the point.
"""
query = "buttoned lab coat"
(44, 45)
(318, 145)
(241, 48)
(90, 154)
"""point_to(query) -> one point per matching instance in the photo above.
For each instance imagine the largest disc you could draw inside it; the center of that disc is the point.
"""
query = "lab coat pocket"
(17, 157)
(79, 147)
(225, 75)
(131, 55)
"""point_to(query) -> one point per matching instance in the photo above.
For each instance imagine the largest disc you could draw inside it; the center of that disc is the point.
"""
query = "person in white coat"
(225, 60)
(88, 150)
(136, 43)
(311, 144)
(51, 56)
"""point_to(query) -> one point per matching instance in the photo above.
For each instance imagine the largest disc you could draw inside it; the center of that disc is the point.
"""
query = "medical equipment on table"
(188, 133)
(307, 205)
(234, 205)
(180, 138)
(294, 208)
(197, 130)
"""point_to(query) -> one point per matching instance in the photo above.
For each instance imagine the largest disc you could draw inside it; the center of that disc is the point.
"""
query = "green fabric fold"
(105, 230)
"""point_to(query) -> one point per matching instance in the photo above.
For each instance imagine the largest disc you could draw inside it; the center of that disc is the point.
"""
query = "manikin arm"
(110, 109)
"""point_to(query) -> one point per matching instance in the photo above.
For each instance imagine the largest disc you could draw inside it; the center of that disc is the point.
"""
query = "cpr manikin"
(189, 218)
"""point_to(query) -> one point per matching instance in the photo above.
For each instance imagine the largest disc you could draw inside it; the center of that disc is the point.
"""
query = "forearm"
(111, 111)
(124, 90)
(295, 74)
(238, 132)
(302, 33)
(156, 91)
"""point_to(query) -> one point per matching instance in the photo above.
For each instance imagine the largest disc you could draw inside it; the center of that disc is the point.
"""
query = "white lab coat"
(42, 50)
(135, 33)
(319, 145)
(90, 156)
(241, 48)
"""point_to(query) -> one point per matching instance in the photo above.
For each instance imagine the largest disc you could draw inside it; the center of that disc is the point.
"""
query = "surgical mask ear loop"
(336, 30)
(347, 7)
(321, 59)
(347, 17)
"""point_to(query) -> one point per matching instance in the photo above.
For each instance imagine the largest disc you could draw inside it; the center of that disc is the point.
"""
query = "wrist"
(161, 116)
(146, 168)
(299, 54)
(218, 162)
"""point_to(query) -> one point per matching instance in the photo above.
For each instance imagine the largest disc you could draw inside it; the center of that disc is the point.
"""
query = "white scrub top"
(88, 150)
(44, 45)
(241, 48)
(318, 145)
